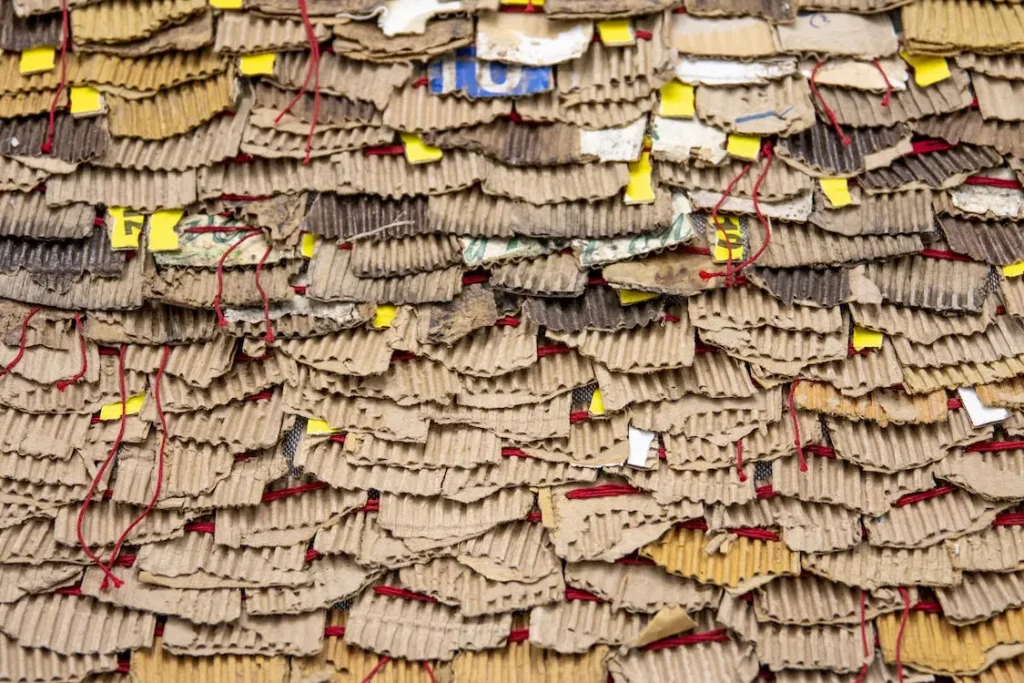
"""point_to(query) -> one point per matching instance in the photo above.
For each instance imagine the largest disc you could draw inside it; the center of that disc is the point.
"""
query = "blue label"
(463, 71)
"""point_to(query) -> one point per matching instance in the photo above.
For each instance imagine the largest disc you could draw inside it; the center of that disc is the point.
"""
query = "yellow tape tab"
(36, 60)
(257, 65)
(864, 338)
(308, 244)
(677, 100)
(641, 187)
(837, 190)
(1014, 269)
(616, 32)
(132, 406)
(523, 3)
(85, 100)
(419, 152)
(728, 233)
(596, 403)
(744, 146)
(226, 4)
(631, 296)
(162, 236)
(928, 69)
(385, 315)
(124, 234)
(319, 428)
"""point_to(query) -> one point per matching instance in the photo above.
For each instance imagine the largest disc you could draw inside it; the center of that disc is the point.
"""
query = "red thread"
(739, 461)
(346, 245)
(334, 632)
(643, 35)
(384, 150)
(510, 452)
(714, 222)
(990, 446)
(420, 82)
(202, 229)
(1007, 183)
(159, 469)
(70, 590)
(765, 491)
(474, 279)
(244, 197)
(221, 322)
(518, 635)
(929, 606)
(22, 343)
(596, 281)
(107, 574)
(927, 146)
(1009, 519)
(864, 637)
(899, 634)
(577, 594)
(403, 355)
(888, 86)
(791, 403)
(636, 561)
(271, 496)
(201, 527)
(824, 105)
(911, 498)
(397, 592)
(508, 321)
(954, 404)
(124, 666)
(602, 491)
(579, 416)
(380, 665)
(820, 450)
(337, 438)
(269, 337)
(312, 554)
(695, 524)
(755, 533)
(943, 254)
(299, 289)
(51, 125)
(372, 505)
(551, 350)
(314, 73)
(719, 635)
(65, 383)
(126, 560)
(430, 671)
(261, 396)
(669, 318)
(534, 517)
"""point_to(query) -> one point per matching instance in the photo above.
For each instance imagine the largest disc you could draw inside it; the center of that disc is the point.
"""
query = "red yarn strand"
(221, 322)
(739, 461)
(22, 343)
(791, 405)
(312, 73)
(899, 635)
(65, 383)
(51, 126)
(843, 138)
(269, 337)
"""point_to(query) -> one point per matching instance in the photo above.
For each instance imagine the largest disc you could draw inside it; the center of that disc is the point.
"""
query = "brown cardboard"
(590, 443)
(927, 522)
(122, 21)
(106, 521)
(358, 351)
(891, 213)
(300, 635)
(548, 377)
(333, 579)
(544, 185)
(576, 626)
(735, 109)
(241, 426)
(776, 441)
(363, 40)
(75, 625)
(284, 521)
(742, 37)
(265, 177)
(745, 307)
(779, 351)
(159, 665)
(415, 254)
(531, 663)
(340, 76)
(872, 568)
(250, 33)
(856, 108)
(839, 34)
(720, 661)
(332, 279)
(655, 346)
(668, 485)
(324, 461)
(172, 112)
(942, 26)
(22, 580)
(39, 664)
(721, 421)
(941, 169)
(997, 549)
(273, 143)
(243, 379)
(193, 33)
(551, 275)
(548, 108)
(199, 606)
(603, 8)
(640, 588)
(597, 309)
(194, 561)
(53, 436)
(809, 600)
(934, 284)
(407, 382)
(980, 597)
(919, 327)
(445, 447)
(489, 351)
(384, 418)
(439, 518)
(415, 109)
(517, 551)
(469, 485)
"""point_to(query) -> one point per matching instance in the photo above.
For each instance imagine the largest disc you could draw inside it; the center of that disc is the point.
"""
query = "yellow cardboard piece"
(728, 233)
(616, 32)
(319, 428)
(641, 188)
(257, 65)
(837, 190)
(124, 234)
(1014, 269)
(132, 406)
(419, 152)
(162, 236)
(744, 146)
(85, 100)
(631, 296)
(523, 3)
(36, 60)
(597, 402)
(226, 4)
(928, 69)
(308, 244)
(385, 315)
(864, 338)
(677, 100)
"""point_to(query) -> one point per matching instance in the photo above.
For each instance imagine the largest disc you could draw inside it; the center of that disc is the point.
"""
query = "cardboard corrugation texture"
(747, 37)
(531, 663)
(182, 477)
(590, 443)
(713, 375)
(26, 104)
(82, 397)
(981, 596)
(242, 425)
(935, 170)
(415, 109)
(240, 381)
(772, 9)
(247, 33)
(202, 607)
(335, 111)
(334, 579)
(590, 115)
(718, 662)
(927, 522)
(195, 556)
(818, 287)
(541, 185)
(640, 588)
(879, 214)
(300, 635)
(364, 40)
(390, 176)
(809, 600)
(545, 379)
(930, 643)
(1012, 291)
(872, 568)
(260, 178)
(934, 284)
(361, 414)
(199, 363)
(820, 152)
(991, 242)
(655, 346)
(739, 111)
(969, 126)
(779, 351)
(324, 462)
(32, 542)
(301, 514)
(747, 307)
(193, 103)
(72, 625)
(861, 109)
(998, 549)
(106, 520)
(333, 280)
(65, 258)
(437, 518)
(516, 144)
(54, 436)
(552, 275)
(489, 351)
(15, 175)
(915, 326)
(920, 380)
(22, 33)
(795, 244)
(599, 9)
(708, 486)
(1007, 394)
(518, 551)
(781, 181)
(38, 664)
(74, 140)
(141, 190)
(414, 629)
(648, 64)
(396, 257)
(469, 485)
(159, 666)
(198, 287)
(346, 77)
(576, 626)
(775, 442)
(121, 20)
(407, 383)
(996, 342)
(270, 143)
(598, 309)
(946, 26)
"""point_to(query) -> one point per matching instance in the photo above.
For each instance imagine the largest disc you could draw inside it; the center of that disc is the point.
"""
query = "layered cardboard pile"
(577, 340)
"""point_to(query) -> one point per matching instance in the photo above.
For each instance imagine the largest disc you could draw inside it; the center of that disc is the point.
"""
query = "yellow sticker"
(308, 244)
(641, 188)
(36, 60)
(257, 65)
(616, 32)
(676, 100)
(864, 338)
(124, 234)
(385, 315)
(928, 69)
(319, 428)
(523, 3)
(85, 100)
(226, 4)
(631, 296)
(596, 403)
(162, 236)
(837, 190)
(744, 146)
(132, 406)
(728, 233)
(419, 152)
(1014, 269)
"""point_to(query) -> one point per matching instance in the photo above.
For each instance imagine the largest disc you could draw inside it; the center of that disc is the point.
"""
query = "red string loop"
(791, 405)
(864, 637)
(22, 342)
(899, 634)
(51, 126)
(221, 321)
(313, 72)
(887, 98)
(739, 461)
(65, 383)
(269, 337)
(843, 138)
